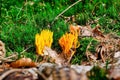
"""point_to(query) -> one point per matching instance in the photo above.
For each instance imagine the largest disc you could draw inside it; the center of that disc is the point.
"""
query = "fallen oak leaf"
(23, 62)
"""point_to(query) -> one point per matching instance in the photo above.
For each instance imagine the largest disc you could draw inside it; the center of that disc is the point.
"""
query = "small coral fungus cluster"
(42, 40)
(68, 42)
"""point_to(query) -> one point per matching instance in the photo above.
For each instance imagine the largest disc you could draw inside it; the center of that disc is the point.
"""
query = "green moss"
(97, 73)
(21, 20)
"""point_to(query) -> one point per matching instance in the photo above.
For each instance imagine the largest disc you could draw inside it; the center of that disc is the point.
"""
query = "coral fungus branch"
(67, 42)
(42, 40)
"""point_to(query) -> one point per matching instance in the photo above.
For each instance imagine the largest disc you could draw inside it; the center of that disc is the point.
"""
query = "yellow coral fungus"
(42, 40)
(67, 42)
(75, 30)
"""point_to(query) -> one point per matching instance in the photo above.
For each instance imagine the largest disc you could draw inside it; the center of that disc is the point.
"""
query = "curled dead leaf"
(101, 51)
(23, 62)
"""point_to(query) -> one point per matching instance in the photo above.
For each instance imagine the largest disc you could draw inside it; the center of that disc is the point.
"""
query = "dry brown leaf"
(23, 62)
(18, 74)
(115, 74)
(57, 58)
(51, 71)
(86, 31)
(2, 49)
(96, 32)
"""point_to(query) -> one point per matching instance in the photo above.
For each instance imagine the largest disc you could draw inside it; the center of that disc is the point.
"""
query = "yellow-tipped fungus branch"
(42, 40)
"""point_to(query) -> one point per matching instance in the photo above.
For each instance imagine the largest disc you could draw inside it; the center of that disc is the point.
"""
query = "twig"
(65, 10)
(25, 50)
(8, 59)
(12, 56)
(9, 72)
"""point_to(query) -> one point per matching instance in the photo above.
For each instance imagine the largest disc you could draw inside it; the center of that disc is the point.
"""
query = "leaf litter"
(56, 64)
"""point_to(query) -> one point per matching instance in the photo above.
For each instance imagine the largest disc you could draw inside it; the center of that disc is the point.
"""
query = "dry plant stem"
(102, 57)
(5, 59)
(9, 72)
(8, 59)
(101, 54)
(12, 56)
(25, 50)
(66, 10)
(70, 56)
(95, 6)
(87, 49)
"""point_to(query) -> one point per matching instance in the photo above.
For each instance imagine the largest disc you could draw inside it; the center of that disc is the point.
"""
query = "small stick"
(25, 49)
(9, 72)
(65, 10)
(8, 59)
(12, 56)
